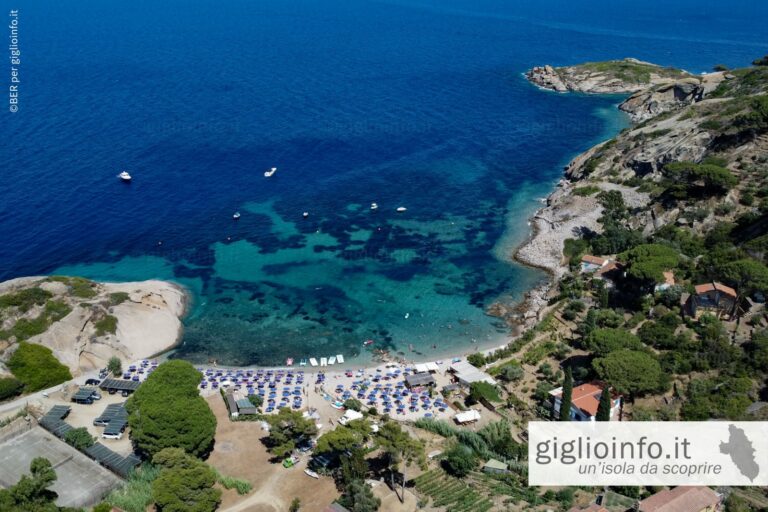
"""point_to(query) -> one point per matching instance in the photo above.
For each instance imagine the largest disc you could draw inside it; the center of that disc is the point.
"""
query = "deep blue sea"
(414, 103)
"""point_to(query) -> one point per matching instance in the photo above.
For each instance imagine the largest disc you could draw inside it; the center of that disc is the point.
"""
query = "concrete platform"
(81, 482)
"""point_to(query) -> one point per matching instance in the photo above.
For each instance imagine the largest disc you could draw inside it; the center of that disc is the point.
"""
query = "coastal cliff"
(85, 323)
(714, 126)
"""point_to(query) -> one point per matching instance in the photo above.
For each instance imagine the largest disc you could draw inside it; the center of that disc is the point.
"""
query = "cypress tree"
(567, 397)
(604, 409)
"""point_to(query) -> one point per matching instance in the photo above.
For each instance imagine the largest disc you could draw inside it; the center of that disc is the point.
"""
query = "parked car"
(125, 393)
(92, 382)
(118, 435)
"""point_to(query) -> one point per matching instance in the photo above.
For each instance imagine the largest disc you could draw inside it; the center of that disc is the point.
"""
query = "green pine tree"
(604, 409)
(566, 399)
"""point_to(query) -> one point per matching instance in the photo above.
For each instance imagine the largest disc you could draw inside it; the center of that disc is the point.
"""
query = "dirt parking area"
(240, 453)
(81, 482)
(83, 415)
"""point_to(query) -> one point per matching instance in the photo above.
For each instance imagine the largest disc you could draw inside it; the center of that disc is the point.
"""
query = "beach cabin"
(231, 405)
(495, 467)
(244, 406)
(591, 263)
(419, 380)
(467, 417)
(585, 400)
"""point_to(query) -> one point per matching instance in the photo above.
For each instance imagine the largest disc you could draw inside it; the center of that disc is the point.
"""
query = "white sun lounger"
(340, 359)
(313, 361)
(323, 361)
(332, 360)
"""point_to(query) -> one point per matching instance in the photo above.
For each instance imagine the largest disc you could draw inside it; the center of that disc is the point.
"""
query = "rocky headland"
(653, 89)
(85, 323)
(717, 119)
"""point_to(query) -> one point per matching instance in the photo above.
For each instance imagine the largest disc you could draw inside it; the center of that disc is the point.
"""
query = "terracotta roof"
(610, 267)
(669, 278)
(680, 499)
(592, 508)
(586, 397)
(594, 260)
(710, 287)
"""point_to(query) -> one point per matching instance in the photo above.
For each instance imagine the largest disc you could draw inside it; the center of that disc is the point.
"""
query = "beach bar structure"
(418, 380)
(465, 374)
(426, 368)
(119, 385)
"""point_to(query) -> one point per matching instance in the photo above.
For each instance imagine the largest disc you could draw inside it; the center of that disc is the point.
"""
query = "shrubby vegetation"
(79, 438)
(36, 366)
(106, 325)
(136, 494)
(10, 387)
(459, 460)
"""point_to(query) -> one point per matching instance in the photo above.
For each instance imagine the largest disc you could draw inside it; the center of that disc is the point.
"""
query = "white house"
(585, 400)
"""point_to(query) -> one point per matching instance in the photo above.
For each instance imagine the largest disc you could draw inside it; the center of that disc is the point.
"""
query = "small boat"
(303, 362)
(323, 361)
(407, 315)
(236, 215)
(305, 214)
(367, 342)
(340, 359)
(401, 209)
(270, 172)
(125, 176)
(311, 473)
(313, 361)
(332, 360)
(374, 206)
(289, 361)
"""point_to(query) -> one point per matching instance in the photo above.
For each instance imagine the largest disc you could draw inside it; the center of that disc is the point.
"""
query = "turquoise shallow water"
(412, 103)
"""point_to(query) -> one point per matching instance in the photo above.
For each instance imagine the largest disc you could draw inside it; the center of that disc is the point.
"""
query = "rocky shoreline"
(567, 215)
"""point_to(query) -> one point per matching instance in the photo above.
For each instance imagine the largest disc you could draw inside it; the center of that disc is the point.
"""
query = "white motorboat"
(313, 361)
(236, 215)
(374, 206)
(125, 176)
(270, 172)
(331, 360)
(323, 361)
(305, 214)
(311, 473)
(401, 209)
(340, 358)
